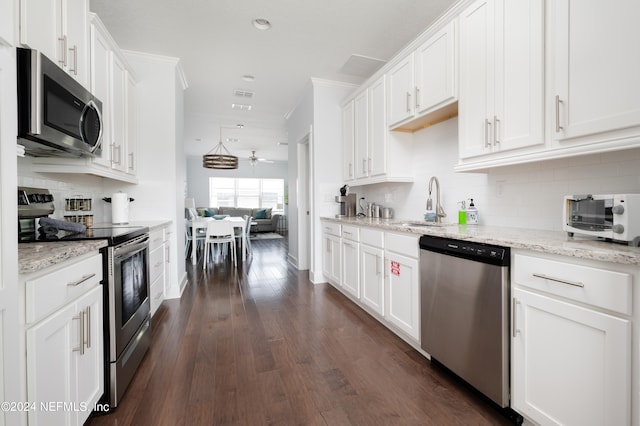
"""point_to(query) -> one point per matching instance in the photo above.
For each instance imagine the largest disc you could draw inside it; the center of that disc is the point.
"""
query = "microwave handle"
(93, 106)
(35, 125)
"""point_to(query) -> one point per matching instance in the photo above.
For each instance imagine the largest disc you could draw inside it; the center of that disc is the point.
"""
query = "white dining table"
(201, 223)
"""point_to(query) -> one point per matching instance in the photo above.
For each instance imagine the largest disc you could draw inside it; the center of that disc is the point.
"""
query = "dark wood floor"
(262, 345)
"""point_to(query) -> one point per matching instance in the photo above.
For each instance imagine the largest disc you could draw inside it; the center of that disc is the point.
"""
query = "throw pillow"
(261, 214)
(268, 215)
(210, 212)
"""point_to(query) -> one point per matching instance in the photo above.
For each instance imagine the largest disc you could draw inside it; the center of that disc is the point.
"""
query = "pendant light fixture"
(253, 160)
(220, 157)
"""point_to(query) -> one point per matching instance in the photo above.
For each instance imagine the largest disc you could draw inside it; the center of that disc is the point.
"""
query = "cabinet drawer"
(351, 232)
(156, 238)
(331, 228)
(372, 237)
(402, 244)
(598, 287)
(53, 290)
(157, 294)
(156, 263)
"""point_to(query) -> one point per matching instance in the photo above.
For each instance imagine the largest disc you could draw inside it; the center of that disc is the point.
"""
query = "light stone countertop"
(552, 242)
(33, 257)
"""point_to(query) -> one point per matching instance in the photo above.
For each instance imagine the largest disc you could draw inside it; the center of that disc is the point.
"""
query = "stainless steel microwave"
(57, 116)
(611, 216)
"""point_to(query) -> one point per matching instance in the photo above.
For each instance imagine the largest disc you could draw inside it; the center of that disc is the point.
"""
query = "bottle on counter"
(462, 213)
(472, 213)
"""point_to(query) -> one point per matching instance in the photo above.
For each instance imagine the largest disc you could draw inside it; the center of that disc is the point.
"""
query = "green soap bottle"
(462, 213)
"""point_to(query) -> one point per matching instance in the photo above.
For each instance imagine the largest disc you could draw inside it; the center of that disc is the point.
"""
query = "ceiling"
(218, 45)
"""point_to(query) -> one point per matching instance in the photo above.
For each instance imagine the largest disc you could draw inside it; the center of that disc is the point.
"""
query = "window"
(246, 192)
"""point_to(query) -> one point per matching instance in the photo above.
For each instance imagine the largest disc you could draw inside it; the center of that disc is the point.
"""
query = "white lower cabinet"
(402, 283)
(571, 361)
(372, 277)
(350, 261)
(156, 268)
(65, 363)
(331, 253)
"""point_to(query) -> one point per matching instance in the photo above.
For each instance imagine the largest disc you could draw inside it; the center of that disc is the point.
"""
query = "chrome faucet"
(439, 210)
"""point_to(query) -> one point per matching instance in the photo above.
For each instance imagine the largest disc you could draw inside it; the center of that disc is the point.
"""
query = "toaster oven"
(614, 216)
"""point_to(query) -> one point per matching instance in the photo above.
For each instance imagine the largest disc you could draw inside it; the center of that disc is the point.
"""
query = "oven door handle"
(129, 250)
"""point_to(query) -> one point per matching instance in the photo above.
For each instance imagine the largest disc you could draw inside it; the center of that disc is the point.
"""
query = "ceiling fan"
(253, 159)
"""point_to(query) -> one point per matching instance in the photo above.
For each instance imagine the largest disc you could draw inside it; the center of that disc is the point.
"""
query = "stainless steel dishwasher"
(465, 311)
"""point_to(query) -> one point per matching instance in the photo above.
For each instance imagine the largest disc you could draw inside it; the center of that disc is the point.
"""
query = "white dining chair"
(247, 230)
(219, 232)
(199, 237)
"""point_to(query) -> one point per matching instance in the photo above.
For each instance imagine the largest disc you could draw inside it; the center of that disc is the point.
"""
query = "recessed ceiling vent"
(361, 66)
(242, 107)
(243, 93)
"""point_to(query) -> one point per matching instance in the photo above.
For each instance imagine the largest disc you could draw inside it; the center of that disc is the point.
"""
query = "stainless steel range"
(127, 326)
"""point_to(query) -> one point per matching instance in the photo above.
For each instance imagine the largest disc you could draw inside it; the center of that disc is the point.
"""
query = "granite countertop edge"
(33, 257)
(542, 241)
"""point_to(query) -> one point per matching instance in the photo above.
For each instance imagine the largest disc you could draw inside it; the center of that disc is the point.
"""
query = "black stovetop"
(114, 234)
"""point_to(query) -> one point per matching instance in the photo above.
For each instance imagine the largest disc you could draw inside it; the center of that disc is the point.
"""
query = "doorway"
(305, 201)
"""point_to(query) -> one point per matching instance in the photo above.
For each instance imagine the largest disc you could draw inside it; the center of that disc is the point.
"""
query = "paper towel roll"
(119, 208)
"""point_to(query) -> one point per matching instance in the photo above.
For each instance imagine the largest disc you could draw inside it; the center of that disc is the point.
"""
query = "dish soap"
(472, 214)
(462, 213)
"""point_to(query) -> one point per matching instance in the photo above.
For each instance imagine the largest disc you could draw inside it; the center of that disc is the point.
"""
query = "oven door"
(129, 303)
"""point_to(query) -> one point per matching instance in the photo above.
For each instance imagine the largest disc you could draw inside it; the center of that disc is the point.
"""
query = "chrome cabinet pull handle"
(88, 329)
(514, 328)
(63, 60)
(559, 280)
(81, 280)
(80, 318)
(364, 165)
(369, 165)
(496, 120)
(74, 70)
(417, 97)
(558, 102)
(487, 142)
(408, 102)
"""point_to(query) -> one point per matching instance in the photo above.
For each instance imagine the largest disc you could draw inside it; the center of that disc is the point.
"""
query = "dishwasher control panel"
(467, 249)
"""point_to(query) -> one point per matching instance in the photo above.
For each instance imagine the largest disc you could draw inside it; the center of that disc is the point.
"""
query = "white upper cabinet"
(378, 131)
(423, 83)
(595, 84)
(361, 133)
(401, 91)
(100, 85)
(435, 65)
(60, 30)
(501, 76)
(348, 143)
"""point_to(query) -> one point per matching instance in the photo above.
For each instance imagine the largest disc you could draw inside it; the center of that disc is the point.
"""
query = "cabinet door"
(476, 78)
(119, 114)
(76, 24)
(518, 118)
(350, 268)
(100, 87)
(378, 130)
(436, 70)
(51, 353)
(132, 128)
(595, 84)
(90, 364)
(361, 133)
(403, 293)
(41, 28)
(401, 91)
(570, 365)
(372, 277)
(348, 142)
(331, 259)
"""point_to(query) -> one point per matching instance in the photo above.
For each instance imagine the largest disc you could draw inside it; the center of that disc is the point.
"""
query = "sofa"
(266, 220)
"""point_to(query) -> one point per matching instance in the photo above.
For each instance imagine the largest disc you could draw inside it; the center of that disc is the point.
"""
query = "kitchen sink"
(418, 223)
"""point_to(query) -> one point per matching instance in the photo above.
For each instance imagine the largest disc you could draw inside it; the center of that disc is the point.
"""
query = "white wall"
(528, 195)
(198, 176)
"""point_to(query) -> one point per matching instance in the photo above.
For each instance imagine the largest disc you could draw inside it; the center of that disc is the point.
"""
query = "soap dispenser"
(462, 213)
(472, 213)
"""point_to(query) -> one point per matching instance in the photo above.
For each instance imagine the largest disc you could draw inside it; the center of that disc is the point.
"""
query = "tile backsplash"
(528, 195)
(63, 186)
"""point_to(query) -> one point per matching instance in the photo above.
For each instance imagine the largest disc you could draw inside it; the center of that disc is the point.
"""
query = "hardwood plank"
(260, 344)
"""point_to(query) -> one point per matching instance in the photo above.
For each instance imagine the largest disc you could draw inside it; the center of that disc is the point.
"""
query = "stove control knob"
(619, 209)
(618, 229)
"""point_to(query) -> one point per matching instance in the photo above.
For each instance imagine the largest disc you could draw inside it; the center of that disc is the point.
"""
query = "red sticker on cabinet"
(395, 268)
